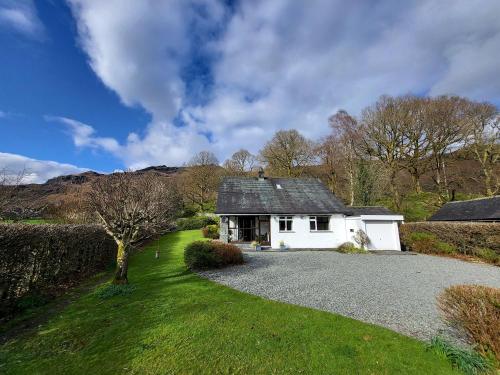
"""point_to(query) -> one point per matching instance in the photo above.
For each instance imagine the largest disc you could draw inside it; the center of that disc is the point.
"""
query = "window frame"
(287, 220)
(314, 219)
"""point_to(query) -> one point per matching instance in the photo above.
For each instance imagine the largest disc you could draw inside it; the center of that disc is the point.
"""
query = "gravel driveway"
(395, 291)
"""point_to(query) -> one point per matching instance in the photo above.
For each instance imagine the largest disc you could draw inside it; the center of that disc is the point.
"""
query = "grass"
(467, 361)
(176, 322)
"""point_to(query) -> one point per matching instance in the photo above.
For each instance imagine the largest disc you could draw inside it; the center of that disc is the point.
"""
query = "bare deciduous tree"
(483, 134)
(445, 127)
(9, 186)
(241, 163)
(383, 127)
(131, 209)
(346, 136)
(287, 153)
(199, 182)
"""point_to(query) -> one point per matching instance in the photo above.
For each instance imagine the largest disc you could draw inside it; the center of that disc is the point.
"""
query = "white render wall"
(301, 236)
(340, 231)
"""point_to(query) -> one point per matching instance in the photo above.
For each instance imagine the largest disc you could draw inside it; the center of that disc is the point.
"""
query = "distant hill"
(59, 189)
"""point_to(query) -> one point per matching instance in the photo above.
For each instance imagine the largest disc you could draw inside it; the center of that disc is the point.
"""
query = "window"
(286, 223)
(319, 223)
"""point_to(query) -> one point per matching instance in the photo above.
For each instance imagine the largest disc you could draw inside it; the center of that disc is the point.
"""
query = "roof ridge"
(475, 199)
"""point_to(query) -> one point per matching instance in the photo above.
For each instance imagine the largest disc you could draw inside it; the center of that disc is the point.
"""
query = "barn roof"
(484, 209)
(250, 195)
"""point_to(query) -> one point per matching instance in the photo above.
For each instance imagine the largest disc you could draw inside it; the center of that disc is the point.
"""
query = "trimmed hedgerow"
(36, 261)
(472, 239)
(200, 255)
(195, 222)
(474, 310)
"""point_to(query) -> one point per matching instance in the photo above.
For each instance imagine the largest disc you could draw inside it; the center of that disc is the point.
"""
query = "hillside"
(57, 190)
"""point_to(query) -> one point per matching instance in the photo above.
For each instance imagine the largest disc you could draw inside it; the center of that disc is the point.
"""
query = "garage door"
(381, 235)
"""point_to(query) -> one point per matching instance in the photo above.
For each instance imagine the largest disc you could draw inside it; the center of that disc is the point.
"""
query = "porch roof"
(249, 195)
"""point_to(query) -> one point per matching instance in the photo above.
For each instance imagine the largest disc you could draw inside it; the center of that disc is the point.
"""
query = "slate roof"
(370, 210)
(487, 209)
(250, 195)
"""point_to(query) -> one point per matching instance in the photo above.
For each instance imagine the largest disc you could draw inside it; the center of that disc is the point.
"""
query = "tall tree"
(365, 183)
(287, 153)
(132, 208)
(200, 180)
(446, 128)
(383, 127)
(416, 154)
(329, 155)
(240, 163)
(484, 138)
(346, 137)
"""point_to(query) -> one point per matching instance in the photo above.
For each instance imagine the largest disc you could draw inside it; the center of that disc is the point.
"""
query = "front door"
(246, 225)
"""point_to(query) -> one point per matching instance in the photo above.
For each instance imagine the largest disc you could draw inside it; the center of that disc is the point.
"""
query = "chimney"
(261, 174)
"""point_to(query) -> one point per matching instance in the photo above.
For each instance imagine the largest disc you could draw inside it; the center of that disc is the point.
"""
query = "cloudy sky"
(104, 85)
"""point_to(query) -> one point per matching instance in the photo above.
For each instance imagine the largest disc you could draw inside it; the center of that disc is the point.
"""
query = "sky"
(125, 84)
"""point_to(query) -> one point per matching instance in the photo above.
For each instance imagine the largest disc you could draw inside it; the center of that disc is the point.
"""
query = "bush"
(350, 248)
(112, 290)
(211, 231)
(467, 361)
(45, 259)
(196, 222)
(211, 254)
(488, 255)
(463, 238)
(475, 310)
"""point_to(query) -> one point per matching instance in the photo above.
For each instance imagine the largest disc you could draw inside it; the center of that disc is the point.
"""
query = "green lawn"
(176, 322)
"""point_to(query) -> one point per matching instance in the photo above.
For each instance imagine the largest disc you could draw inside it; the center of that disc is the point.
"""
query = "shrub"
(111, 290)
(361, 238)
(465, 238)
(467, 361)
(211, 254)
(427, 243)
(211, 231)
(488, 255)
(350, 248)
(475, 310)
(195, 222)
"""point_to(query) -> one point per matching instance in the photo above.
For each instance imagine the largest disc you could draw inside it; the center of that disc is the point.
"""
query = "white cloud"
(21, 16)
(36, 171)
(279, 64)
(3, 114)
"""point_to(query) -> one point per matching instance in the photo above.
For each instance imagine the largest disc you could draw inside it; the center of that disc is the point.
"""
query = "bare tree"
(383, 127)
(9, 186)
(329, 155)
(346, 137)
(131, 209)
(483, 134)
(199, 182)
(241, 163)
(445, 126)
(416, 154)
(288, 153)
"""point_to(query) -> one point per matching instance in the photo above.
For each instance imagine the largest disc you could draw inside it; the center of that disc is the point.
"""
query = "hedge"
(43, 259)
(474, 239)
(196, 222)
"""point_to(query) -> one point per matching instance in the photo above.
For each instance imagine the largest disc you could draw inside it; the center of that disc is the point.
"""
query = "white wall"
(302, 237)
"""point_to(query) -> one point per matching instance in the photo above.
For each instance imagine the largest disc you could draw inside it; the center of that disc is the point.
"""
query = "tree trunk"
(416, 182)
(394, 190)
(351, 187)
(121, 264)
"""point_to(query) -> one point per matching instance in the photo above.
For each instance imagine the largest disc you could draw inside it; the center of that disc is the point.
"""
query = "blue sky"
(117, 84)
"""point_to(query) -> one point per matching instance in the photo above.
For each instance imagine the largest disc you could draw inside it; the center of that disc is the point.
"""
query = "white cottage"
(299, 212)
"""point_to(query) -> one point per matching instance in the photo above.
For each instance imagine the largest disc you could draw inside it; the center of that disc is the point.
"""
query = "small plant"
(361, 238)
(211, 254)
(350, 248)
(467, 361)
(487, 254)
(256, 245)
(282, 245)
(211, 231)
(112, 290)
(475, 310)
